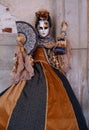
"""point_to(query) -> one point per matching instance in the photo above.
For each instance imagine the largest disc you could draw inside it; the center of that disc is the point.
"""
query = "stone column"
(74, 12)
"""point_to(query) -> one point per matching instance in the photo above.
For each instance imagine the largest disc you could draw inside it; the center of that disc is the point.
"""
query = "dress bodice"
(40, 55)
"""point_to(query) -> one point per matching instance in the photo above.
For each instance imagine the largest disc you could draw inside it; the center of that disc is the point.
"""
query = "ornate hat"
(30, 34)
(42, 14)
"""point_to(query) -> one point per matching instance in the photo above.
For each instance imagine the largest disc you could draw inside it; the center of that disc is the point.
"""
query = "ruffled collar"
(45, 40)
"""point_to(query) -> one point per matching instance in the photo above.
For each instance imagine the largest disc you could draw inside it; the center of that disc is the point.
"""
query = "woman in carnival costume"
(40, 97)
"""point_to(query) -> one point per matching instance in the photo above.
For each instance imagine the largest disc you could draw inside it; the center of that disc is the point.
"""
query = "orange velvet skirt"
(46, 102)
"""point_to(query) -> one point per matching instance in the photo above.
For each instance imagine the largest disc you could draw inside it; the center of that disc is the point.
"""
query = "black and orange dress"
(45, 102)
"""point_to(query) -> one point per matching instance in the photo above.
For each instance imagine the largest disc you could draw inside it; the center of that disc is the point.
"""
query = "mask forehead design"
(43, 24)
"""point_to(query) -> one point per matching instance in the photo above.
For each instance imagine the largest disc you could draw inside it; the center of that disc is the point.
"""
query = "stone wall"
(25, 10)
(8, 32)
(7, 47)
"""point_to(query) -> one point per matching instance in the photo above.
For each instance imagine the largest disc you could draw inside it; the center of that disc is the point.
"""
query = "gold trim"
(46, 98)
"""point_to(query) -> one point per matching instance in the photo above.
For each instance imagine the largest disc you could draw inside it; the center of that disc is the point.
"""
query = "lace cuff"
(23, 68)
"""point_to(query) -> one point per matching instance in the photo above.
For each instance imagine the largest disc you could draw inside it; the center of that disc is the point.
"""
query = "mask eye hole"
(41, 28)
(45, 27)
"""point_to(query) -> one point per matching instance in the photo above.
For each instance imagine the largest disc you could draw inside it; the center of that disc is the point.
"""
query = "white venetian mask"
(43, 28)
